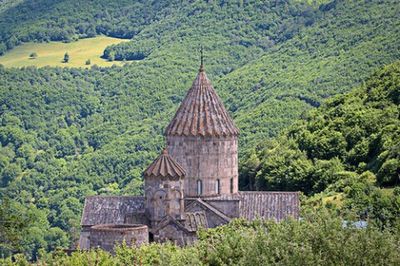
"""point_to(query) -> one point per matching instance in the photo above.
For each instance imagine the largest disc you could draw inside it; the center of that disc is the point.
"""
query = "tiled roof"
(195, 220)
(202, 112)
(269, 205)
(164, 166)
(110, 209)
(235, 196)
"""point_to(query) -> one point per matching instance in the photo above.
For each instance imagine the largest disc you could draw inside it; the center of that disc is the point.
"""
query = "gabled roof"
(202, 112)
(110, 209)
(269, 205)
(195, 220)
(166, 221)
(206, 206)
(165, 166)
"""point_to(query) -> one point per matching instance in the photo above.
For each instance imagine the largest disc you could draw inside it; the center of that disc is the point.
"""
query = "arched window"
(218, 186)
(199, 187)
(231, 184)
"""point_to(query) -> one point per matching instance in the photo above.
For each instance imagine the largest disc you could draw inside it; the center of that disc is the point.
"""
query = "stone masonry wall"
(206, 159)
(229, 207)
(106, 236)
(163, 197)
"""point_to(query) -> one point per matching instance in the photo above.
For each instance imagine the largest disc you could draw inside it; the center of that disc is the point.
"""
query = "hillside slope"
(69, 133)
(348, 148)
(47, 20)
(333, 55)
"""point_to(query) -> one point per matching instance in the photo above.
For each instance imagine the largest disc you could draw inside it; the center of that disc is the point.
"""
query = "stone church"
(192, 184)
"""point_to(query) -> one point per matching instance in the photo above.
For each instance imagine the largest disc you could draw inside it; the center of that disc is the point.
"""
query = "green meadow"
(52, 53)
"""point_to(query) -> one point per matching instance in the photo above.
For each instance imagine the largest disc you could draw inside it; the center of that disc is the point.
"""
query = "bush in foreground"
(318, 239)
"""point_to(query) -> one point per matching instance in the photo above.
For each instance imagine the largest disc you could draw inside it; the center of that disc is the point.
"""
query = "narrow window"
(231, 184)
(218, 187)
(199, 187)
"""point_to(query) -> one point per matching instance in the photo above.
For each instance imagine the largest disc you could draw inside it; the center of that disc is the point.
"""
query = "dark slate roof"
(202, 112)
(269, 205)
(195, 220)
(110, 209)
(235, 196)
(165, 166)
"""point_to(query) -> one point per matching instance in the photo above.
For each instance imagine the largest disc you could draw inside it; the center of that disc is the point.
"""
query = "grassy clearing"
(52, 54)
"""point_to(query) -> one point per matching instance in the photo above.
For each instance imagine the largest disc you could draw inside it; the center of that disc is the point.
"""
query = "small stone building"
(192, 184)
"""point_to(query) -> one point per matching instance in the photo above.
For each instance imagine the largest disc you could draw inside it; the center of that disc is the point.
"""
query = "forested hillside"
(348, 149)
(68, 133)
(47, 20)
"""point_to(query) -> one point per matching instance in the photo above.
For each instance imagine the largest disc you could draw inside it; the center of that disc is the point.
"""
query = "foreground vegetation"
(52, 53)
(68, 133)
(319, 239)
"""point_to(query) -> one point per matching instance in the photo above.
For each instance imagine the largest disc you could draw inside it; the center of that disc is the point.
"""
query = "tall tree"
(66, 58)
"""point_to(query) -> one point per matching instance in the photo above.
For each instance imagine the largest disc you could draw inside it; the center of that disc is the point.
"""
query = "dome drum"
(209, 160)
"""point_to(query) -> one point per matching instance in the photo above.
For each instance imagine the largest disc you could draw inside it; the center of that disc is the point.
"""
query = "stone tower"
(164, 189)
(203, 139)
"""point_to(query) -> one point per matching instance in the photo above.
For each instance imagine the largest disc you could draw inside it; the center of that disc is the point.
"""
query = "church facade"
(192, 184)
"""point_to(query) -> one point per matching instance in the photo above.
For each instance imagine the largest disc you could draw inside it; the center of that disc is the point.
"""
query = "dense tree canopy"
(68, 133)
(350, 145)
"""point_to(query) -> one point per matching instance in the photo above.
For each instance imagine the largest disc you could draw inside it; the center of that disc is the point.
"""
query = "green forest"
(314, 87)
(347, 150)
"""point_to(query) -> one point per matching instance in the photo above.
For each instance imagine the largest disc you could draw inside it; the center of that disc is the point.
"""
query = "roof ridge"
(114, 196)
(165, 221)
(269, 192)
(213, 209)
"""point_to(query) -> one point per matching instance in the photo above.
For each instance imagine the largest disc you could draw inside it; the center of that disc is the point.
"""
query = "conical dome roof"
(201, 112)
(165, 166)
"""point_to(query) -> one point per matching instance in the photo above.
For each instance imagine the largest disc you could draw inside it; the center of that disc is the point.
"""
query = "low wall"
(106, 236)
